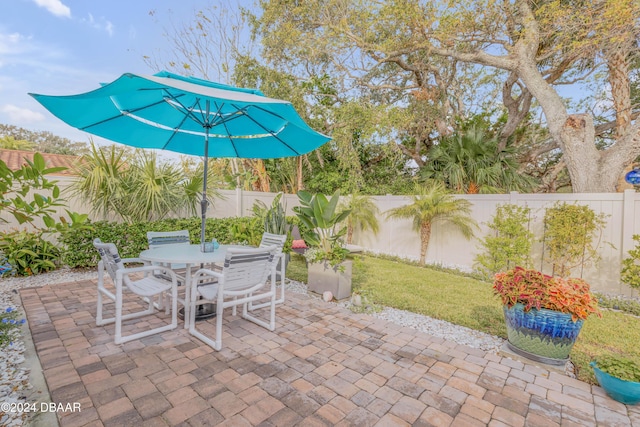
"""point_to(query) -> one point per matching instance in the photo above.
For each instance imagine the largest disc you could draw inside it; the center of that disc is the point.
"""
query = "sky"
(64, 47)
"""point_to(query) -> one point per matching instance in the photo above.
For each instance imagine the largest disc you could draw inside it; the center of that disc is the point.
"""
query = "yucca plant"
(274, 217)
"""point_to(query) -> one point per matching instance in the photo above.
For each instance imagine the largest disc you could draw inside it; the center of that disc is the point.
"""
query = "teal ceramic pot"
(627, 392)
(543, 335)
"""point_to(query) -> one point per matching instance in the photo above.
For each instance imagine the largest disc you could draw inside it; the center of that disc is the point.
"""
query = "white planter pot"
(322, 277)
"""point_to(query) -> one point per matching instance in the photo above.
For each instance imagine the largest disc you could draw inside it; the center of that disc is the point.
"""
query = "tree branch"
(517, 108)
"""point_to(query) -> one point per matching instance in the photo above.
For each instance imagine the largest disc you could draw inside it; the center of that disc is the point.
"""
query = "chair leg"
(99, 320)
(280, 300)
(118, 337)
(219, 313)
(100, 303)
(119, 318)
(271, 324)
(215, 344)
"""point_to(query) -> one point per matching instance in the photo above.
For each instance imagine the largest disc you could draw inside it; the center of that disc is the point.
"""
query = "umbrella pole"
(203, 202)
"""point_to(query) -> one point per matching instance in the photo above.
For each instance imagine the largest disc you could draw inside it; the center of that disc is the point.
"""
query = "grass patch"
(469, 302)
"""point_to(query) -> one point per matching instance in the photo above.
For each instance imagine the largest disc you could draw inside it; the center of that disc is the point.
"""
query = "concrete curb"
(40, 392)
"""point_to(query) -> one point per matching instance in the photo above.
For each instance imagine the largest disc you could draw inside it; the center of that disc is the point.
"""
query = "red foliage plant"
(536, 290)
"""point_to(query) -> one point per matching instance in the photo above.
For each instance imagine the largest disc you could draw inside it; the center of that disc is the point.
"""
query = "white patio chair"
(277, 240)
(245, 271)
(148, 287)
(160, 238)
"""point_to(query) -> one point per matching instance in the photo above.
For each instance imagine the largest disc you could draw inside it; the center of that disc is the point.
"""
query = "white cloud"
(18, 50)
(109, 28)
(102, 24)
(13, 43)
(55, 7)
(22, 115)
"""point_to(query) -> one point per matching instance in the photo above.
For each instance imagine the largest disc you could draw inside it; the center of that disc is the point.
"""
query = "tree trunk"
(349, 233)
(590, 170)
(620, 87)
(298, 174)
(425, 236)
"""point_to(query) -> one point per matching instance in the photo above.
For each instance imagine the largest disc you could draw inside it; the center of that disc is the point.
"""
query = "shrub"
(20, 196)
(29, 252)
(631, 266)
(510, 244)
(570, 231)
(131, 239)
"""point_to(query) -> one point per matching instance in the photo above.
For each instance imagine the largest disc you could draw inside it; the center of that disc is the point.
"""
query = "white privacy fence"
(450, 249)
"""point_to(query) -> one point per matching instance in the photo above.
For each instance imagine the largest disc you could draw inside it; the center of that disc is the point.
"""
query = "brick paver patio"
(323, 366)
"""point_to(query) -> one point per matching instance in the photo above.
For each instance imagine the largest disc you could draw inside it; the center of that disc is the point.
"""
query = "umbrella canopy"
(189, 116)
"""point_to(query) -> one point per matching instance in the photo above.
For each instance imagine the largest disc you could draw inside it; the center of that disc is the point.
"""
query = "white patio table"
(190, 255)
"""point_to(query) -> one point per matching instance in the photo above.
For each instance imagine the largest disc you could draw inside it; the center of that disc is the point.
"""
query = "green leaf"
(40, 201)
(48, 221)
(38, 162)
(305, 197)
(20, 217)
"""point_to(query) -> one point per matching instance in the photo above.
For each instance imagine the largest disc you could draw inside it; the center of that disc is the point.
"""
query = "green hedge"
(131, 239)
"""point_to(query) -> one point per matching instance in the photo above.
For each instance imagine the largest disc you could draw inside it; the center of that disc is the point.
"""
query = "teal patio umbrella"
(190, 116)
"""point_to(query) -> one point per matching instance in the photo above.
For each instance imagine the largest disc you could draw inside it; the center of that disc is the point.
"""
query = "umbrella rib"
(189, 113)
(187, 110)
(272, 133)
(233, 144)
(123, 111)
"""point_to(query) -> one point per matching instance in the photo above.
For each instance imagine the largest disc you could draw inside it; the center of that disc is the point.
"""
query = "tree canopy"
(429, 57)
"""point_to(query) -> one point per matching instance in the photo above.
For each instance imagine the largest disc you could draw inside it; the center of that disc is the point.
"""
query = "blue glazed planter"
(627, 392)
(543, 335)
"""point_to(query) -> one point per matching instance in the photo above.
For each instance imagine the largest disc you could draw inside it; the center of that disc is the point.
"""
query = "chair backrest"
(110, 258)
(277, 240)
(247, 267)
(160, 238)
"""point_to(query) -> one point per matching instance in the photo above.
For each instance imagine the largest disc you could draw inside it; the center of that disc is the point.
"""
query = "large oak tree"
(539, 46)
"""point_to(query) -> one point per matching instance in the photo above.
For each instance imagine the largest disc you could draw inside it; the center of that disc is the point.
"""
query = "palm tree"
(470, 162)
(362, 216)
(137, 186)
(434, 203)
(100, 183)
(154, 189)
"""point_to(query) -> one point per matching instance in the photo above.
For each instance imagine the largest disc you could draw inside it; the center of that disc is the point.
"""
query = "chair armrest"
(207, 272)
(134, 260)
(146, 268)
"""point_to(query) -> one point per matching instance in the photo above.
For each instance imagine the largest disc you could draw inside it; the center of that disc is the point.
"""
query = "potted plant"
(328, 269)
(619, 377)
(543, 314)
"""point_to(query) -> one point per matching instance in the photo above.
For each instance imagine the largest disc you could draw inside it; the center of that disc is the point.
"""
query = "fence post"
(513, 197)
(628, 217)
(239, 197)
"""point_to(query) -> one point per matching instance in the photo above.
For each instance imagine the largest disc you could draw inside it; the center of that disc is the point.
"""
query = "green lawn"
(469, 302)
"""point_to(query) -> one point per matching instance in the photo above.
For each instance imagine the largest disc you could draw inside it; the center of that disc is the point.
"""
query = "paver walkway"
(322, 366)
